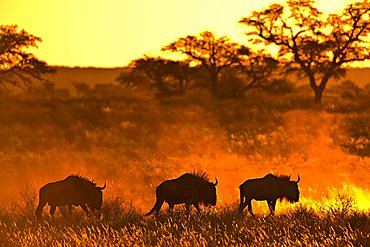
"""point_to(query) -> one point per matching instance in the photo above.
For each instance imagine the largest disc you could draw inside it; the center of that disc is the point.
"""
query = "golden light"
(112, 33)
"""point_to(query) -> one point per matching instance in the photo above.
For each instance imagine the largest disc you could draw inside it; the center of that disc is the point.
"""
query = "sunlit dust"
(200, 143)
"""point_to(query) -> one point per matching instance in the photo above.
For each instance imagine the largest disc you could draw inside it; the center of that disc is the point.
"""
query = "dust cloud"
(195, 141)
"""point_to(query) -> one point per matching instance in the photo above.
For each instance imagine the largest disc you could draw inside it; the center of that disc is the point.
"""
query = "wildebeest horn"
(299, 179)
(102, 188)
(216, 182)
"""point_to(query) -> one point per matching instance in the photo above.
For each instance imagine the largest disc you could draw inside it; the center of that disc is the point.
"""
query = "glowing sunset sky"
(109, 33)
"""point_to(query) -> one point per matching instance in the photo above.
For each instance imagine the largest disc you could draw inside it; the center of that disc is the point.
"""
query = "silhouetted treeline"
(307, 43)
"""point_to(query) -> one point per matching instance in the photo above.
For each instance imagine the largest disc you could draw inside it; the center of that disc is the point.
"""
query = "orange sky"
(110, 33)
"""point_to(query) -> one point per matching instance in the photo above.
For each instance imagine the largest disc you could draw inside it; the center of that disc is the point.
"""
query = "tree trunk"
(181, 86)
(214, 82)
(318, 95)
(161, 86)
(317, 89)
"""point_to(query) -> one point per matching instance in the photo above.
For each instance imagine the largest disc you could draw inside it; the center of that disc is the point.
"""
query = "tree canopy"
(160, 72)
(316, 44)
(213, 54)
(17, 66)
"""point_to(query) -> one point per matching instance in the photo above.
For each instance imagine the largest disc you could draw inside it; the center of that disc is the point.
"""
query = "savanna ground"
(134, 140)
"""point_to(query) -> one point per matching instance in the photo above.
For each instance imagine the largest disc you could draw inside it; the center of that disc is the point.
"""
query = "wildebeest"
(269, 188)
(72, 191)
(189, 188)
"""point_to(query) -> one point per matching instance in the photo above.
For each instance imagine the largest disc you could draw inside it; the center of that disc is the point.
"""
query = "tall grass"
(124, 225)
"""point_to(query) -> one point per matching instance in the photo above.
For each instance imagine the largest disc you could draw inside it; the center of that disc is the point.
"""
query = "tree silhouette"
(159, 71)
(260, 69)
(154, 69)
(18, 67)
(183, 73)
(209, 52)
(254, 70)
(317, 45)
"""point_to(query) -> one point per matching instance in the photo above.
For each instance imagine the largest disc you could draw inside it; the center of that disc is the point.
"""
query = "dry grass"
(126, 226)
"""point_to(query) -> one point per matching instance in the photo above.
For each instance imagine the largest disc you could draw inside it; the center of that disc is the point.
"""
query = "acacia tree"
(153, 68)
(183, 73)
(254, 70)
(261, 70)
(17, 66)
(158, 71)
(318, 46)
(211, 53)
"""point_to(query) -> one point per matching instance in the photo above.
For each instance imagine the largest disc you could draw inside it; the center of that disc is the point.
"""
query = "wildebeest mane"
(201, 175)
(283, 180)
(81, 179)
(280, 177)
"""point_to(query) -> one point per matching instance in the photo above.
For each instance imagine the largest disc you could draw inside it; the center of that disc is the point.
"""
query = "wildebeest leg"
(69, 212)
(249, 203)
(52, 210)
(84, 208)
(188, 205)
(39, 208)
(196, 205)
(272, 205)
(170, 207)
(243, 204)
(157, 207)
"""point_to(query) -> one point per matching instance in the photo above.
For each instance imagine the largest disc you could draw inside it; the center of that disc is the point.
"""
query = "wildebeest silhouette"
(269, 188)
(189, 189)
(72, 191)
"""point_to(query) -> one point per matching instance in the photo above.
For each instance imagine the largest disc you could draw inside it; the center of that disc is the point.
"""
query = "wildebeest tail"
(158, 204)
(42, 203)
(242, 198)
(153, 209)
(241, 194)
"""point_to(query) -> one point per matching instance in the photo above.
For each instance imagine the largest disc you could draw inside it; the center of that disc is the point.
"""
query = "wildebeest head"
(210, 197)
(97, 198)
(292, 191)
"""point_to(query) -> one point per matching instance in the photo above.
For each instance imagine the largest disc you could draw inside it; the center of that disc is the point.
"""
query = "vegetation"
(134, 140)
(311, 43)
(123, 225)
(18, 67)
(161, 72)
(294, 37)
(213, 54)
(240, 120)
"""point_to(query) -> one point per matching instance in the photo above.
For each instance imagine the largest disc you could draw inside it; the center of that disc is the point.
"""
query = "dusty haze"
(136, 142)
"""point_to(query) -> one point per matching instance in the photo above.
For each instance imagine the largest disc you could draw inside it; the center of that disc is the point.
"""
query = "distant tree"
(316, 45)
(349, 89)
(155, 69)
(159, 71)
(261, 70)
(253, 70)
(131, 78)
(17, 66)
(184, 74)
(211, 53)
